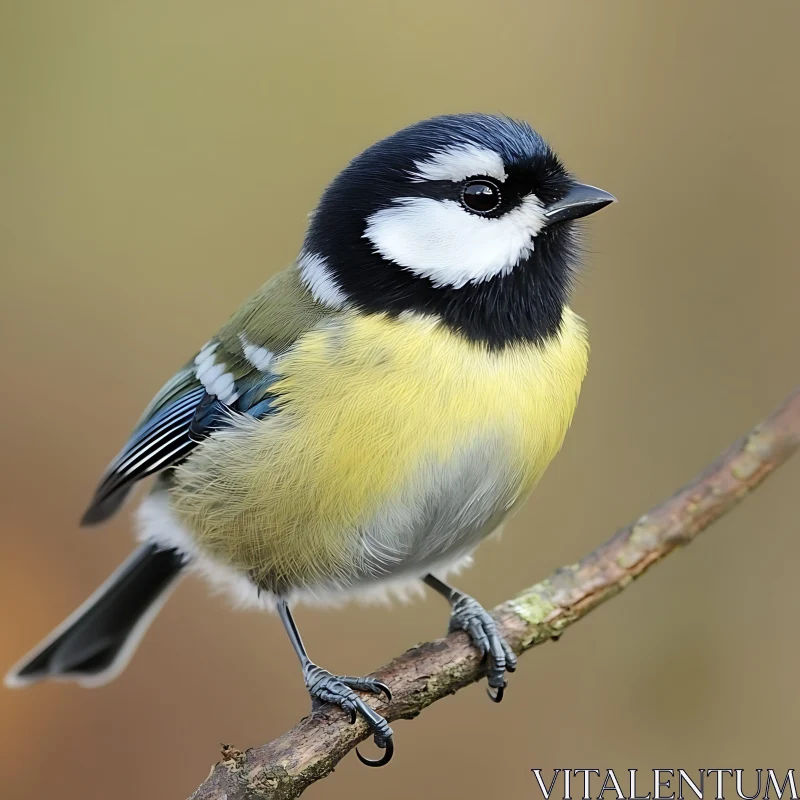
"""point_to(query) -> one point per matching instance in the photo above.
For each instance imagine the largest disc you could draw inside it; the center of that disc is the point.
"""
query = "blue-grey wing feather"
(160, 440)
(179, 417)
(253, 398)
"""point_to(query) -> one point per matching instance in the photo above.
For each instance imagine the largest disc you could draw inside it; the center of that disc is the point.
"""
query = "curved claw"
(382, 687)
(353, 716)
(383, 760)
(496, 698)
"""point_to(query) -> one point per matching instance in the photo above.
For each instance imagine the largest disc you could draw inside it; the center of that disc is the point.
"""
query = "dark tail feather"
(93, 645)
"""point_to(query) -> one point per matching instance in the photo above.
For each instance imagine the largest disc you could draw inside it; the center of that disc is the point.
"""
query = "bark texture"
(285, 767)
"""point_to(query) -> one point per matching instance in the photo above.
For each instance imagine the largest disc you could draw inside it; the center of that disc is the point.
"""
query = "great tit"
(368, 416)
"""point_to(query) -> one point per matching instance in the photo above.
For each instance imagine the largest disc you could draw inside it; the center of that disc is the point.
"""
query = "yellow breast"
(363, 402)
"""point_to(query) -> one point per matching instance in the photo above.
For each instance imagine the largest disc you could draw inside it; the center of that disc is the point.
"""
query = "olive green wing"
(230, 375)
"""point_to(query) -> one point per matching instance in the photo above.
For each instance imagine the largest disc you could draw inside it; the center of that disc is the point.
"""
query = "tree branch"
(285, 767)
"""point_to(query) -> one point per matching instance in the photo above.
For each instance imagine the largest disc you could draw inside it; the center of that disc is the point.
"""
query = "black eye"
(481, 196)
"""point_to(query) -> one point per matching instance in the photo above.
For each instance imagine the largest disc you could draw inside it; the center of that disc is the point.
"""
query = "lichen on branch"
(285, 767)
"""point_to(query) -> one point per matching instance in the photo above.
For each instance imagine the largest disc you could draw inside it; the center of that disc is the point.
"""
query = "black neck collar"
(523, 306)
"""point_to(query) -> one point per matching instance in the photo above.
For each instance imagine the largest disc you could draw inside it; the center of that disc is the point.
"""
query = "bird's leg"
(324, 687)
(470, 616)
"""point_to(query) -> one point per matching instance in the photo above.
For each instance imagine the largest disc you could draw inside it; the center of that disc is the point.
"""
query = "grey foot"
(470, 616)
(325, 687)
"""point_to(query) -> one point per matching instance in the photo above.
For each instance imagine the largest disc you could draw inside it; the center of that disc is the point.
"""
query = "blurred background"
(158, 162)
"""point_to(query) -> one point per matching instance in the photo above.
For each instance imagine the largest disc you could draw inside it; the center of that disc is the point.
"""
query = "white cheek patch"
(316, 275)
(442, 241)
(459, 162)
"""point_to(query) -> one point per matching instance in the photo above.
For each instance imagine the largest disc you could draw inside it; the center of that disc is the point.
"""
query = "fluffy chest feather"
(395, 444)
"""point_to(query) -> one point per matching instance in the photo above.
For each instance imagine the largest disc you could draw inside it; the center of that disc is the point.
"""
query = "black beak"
(580, 201)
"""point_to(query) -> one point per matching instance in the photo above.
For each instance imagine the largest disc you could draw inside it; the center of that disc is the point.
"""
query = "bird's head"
(469, 217)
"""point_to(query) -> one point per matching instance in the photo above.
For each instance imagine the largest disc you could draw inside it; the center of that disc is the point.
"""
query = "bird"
(370, 415)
